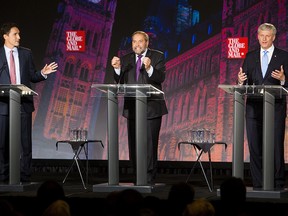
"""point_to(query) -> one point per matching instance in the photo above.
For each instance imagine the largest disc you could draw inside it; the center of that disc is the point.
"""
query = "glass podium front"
(140, 92)
(269, 93)
(14, 93)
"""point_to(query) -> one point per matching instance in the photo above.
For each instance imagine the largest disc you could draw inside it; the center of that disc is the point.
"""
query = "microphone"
(124, 70)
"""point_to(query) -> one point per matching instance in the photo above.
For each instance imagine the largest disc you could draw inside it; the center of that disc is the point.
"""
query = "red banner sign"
(75, 41)
(237, 47)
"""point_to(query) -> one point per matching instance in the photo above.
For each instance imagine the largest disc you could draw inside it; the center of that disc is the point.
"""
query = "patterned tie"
(264, 64)
(12, 69)
(138, 66)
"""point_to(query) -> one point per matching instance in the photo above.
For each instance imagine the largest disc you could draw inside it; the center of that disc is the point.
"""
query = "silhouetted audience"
(127, 202)
(152, 205)
(233, 197)
(199, 207)
(48, 192)
(234, 189)
(58, 208)
(7, 209)
(112, 199)
(180, 194)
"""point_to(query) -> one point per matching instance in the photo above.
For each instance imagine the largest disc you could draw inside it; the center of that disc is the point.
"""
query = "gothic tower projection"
(65, 99)
(192, 78)
(197, 63)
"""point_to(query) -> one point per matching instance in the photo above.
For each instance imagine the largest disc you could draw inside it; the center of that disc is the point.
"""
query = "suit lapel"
(4, 73)
(258, 64)
(273, 60)
(20, 56)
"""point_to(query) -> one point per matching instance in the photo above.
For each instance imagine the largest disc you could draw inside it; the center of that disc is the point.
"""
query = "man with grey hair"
(268, 65)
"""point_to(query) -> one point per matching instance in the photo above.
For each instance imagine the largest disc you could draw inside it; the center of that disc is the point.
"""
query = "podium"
(140, 92)
(269, 93)
(14, 93)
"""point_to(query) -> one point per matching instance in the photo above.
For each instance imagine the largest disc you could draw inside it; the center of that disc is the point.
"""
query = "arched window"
(94, 43)
(68, 70)
(84, 74)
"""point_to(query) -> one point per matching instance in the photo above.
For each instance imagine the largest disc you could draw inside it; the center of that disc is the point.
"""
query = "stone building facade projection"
(199, 64)
(65, 99)
(191, 87)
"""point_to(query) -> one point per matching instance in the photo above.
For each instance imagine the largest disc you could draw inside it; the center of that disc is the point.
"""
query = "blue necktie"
(264, 64)
(138, 66)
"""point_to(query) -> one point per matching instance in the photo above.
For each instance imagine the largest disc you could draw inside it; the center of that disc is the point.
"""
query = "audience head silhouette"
(200, 207)
(48, 192)
(58, 208)
(128, 202)
(233, 190)
(7, 209)
(179, 196)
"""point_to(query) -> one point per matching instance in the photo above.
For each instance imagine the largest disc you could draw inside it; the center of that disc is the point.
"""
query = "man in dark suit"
(152, 71)
(19, 60)
(253, 72)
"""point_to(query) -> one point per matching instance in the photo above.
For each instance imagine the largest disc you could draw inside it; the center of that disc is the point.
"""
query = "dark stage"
(84, 201)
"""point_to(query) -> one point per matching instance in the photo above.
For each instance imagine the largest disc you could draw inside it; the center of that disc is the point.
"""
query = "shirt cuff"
(44, 75)
(150, 71)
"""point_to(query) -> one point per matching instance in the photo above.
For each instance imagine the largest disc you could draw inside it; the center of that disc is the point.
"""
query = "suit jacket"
(28, 75)
(252, 68)
(156, 105)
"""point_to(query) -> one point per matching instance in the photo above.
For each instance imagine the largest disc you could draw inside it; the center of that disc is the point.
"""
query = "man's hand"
(147, 63)
(47, 69)
(116, 63)
(241, 76)
(279, 74)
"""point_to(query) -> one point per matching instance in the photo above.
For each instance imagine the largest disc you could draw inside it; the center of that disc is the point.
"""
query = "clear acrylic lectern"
(14, 93)
(269, 93)
(140, 92)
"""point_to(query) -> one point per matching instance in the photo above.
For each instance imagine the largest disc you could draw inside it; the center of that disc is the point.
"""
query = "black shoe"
(150, 179)
(25, 179)
(151, 182)
(279, 186)
(4, 180)
(257, 188)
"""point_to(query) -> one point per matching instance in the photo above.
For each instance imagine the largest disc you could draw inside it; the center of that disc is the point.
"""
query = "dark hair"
(146, 36)
(233, 189)
(6, 27)
(48, 192)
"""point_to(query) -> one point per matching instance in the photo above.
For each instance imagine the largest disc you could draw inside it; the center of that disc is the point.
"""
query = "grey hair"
(267, 26)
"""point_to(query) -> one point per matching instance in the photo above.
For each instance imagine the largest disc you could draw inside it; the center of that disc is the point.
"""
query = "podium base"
(105, 187)
(18, 187)
(260, 193)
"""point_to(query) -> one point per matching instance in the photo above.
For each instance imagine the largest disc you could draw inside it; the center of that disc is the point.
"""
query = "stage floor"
(73, 186)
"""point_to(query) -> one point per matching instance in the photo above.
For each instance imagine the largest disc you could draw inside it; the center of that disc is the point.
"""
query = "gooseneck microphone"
(123, 71)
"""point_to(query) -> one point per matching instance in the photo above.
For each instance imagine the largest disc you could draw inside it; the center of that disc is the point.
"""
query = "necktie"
(138, 66)
(12, 69)
(264, 64)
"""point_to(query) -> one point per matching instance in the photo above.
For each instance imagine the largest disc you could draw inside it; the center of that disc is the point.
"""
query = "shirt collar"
(7, 50)
(270, 50)
(143, 54)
